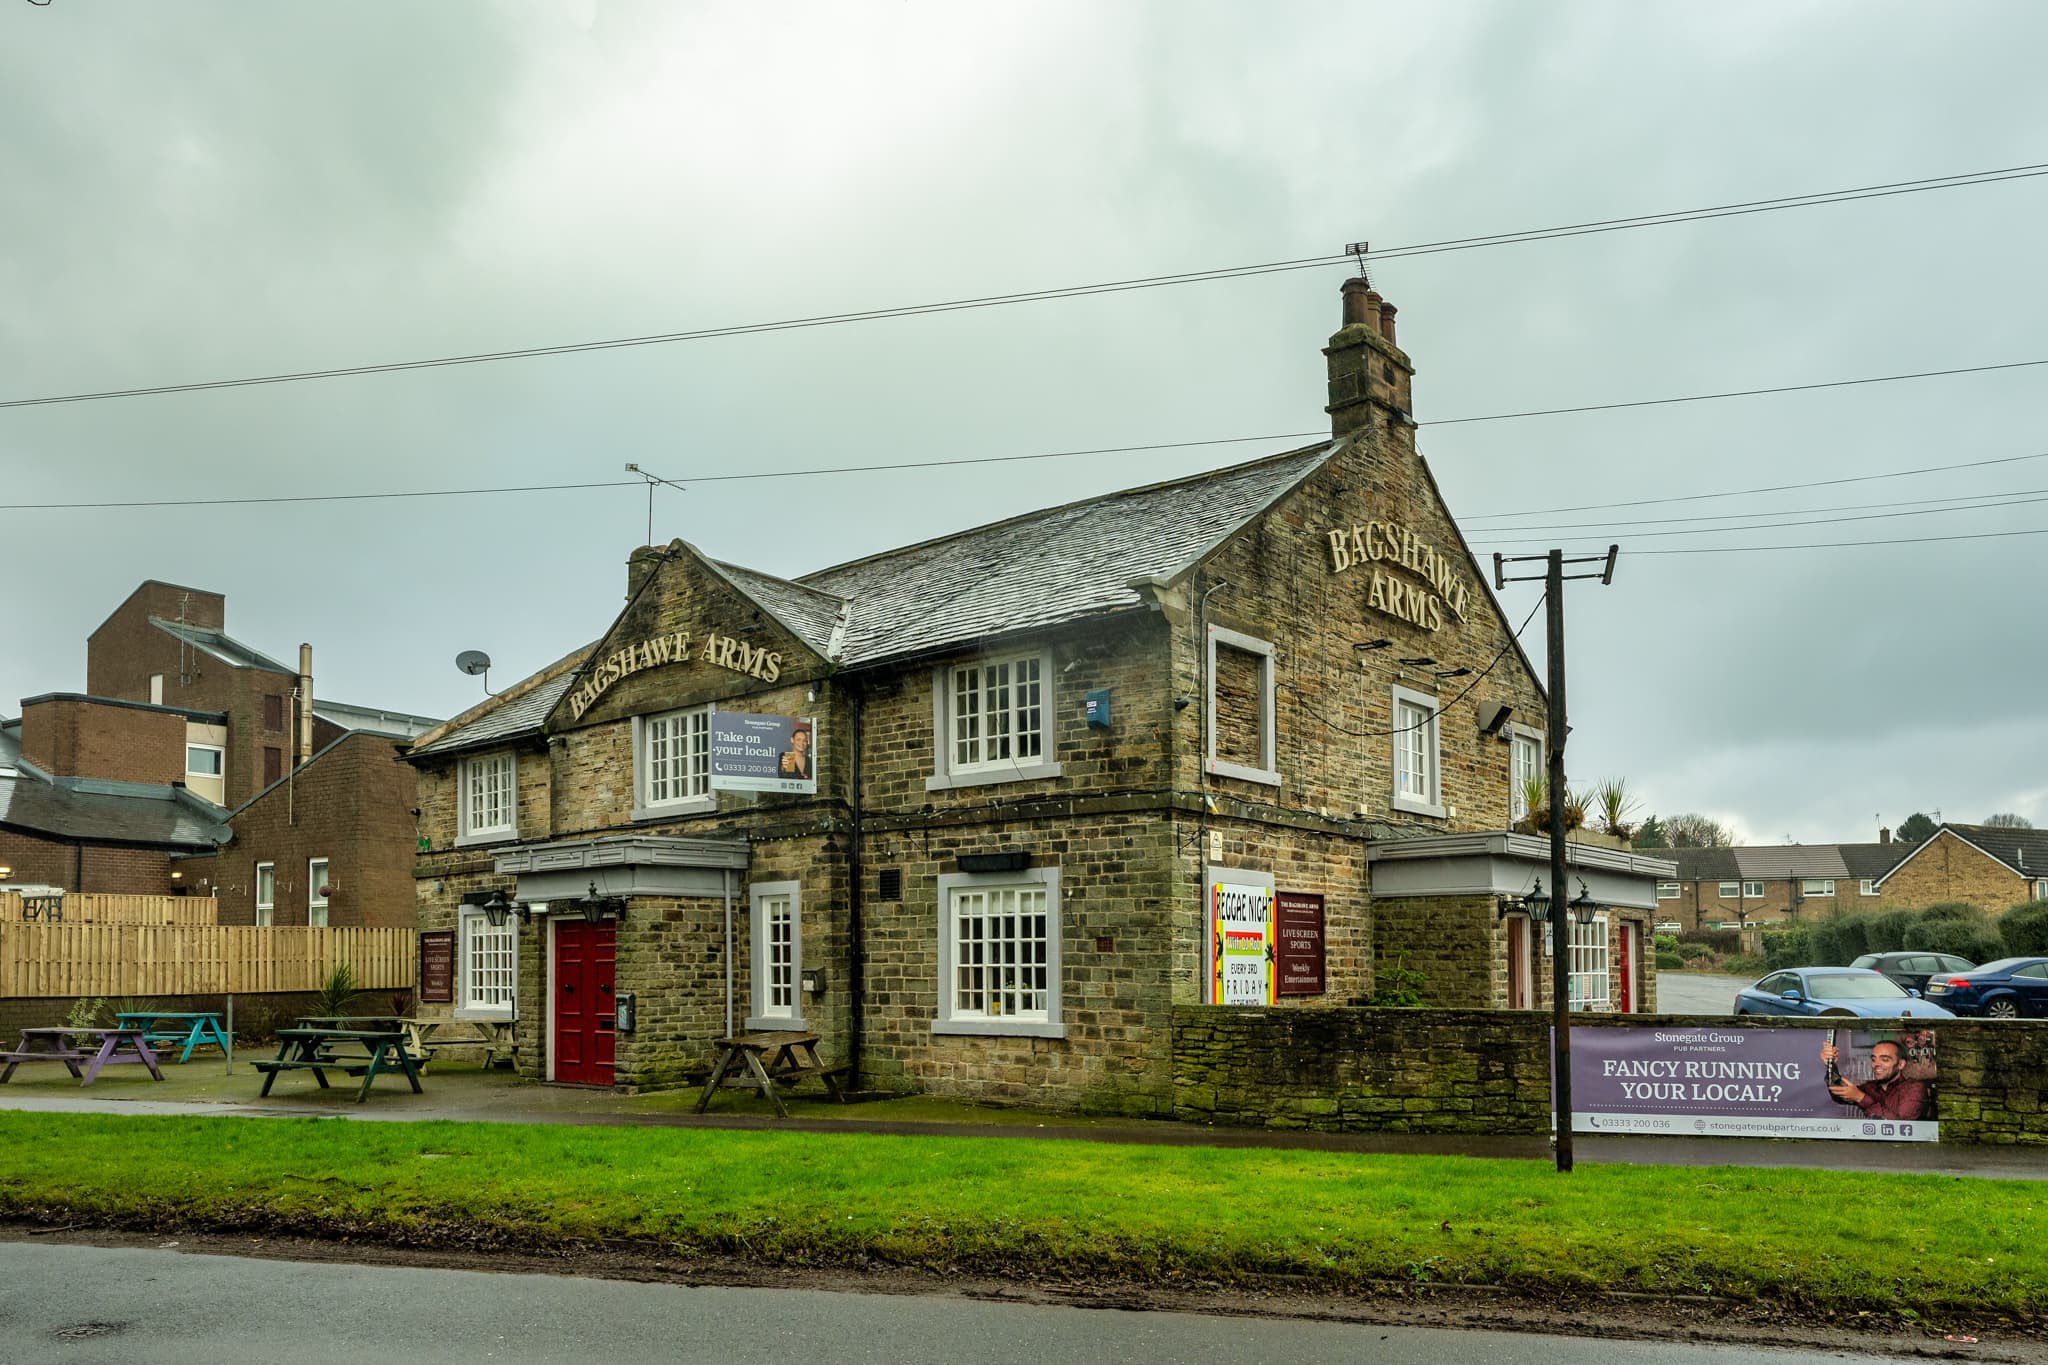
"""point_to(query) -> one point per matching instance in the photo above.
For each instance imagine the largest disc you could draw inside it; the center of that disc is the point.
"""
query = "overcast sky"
(211, 191)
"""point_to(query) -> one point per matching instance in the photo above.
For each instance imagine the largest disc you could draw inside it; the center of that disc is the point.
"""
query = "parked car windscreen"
(1843, 986)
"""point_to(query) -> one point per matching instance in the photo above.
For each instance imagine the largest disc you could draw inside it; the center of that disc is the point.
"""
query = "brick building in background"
(1748, 886)
(193, 762)
(1240, 738)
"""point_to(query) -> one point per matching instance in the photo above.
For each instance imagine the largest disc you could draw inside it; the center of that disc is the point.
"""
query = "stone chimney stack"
(1884, 836)
(1367, 370)
(640, 564)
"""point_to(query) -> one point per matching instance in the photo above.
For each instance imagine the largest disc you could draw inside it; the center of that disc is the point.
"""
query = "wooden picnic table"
(354, 1051)
(416, 1045)
(112, 1047)
(495, 1035)
(167, 1029)
(765, 1061)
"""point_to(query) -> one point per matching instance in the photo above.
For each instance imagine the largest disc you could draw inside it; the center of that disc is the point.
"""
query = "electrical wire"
(1431, 718)
(1095, 450)
(1808, 200)
(1837, 544)
(1605, 527)
(1788, 525)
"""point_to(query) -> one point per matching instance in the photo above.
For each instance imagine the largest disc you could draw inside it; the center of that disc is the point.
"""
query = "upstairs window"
(1525, 769)
(672, 763)
(1868, 887)
(488, 798)
(1754, 891)
(1817, 886)
(1667, 891)
(993, 720)
(273, 713)
(1731, 891)
(1242, 732)
(1418, 780)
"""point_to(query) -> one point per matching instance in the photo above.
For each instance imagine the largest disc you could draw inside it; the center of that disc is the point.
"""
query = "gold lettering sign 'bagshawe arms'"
(1389, 542)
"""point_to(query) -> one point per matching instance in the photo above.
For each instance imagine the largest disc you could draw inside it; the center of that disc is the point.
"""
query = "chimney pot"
(1361, 304)
(1387, 321)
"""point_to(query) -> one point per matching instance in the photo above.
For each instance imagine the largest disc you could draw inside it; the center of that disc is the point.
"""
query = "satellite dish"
(473, 662)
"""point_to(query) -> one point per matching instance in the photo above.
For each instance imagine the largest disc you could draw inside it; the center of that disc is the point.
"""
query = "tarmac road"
(84, 1305)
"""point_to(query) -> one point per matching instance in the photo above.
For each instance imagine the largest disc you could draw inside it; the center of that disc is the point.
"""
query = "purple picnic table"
(115, 1046)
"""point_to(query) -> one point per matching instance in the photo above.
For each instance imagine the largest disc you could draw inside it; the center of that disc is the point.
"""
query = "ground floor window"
(778, 958)
(1588, 985)
(999, 968)
(489, 958)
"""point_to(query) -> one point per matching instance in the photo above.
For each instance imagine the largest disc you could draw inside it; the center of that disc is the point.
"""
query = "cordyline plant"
(1536, 805)
(1616, 806)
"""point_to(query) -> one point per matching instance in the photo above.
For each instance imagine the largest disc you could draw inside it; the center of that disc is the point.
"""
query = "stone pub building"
(1241, 738)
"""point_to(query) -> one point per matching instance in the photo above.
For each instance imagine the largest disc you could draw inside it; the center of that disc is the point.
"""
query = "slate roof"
(1700, 864)
(111, 812)
(1766, 862)
(2025, 851)
(228, 650)
(1871, 861)
(1026, 573)
(522, 715)
(1047, 567)
(813, 616)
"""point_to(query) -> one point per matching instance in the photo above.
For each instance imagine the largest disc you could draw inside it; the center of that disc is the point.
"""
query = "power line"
(1745, 492)
(1840, 544)
(1732, 393)
(1104, 450)
(1982, 500)
(1808, 200)
(1788, 525)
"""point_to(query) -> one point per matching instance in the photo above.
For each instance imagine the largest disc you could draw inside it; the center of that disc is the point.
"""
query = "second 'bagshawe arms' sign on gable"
(1377, 542)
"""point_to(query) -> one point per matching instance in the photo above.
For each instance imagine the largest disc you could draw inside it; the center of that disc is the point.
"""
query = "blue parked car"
(2010, 988)
(1835, 990)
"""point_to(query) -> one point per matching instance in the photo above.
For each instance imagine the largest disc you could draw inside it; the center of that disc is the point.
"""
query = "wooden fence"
(79, 907)
(137, 960)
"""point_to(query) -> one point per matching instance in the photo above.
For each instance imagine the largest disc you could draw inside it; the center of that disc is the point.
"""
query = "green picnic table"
(166, 1029)
(361, 1052)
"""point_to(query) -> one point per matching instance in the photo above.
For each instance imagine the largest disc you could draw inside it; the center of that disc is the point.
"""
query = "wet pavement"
(462, 1093)
(1698, 992)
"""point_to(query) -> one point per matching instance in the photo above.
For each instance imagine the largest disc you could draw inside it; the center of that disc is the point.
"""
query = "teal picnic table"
(166, 1029)
(365, 1052)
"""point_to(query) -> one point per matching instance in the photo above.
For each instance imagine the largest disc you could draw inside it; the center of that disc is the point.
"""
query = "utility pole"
(1554, 578)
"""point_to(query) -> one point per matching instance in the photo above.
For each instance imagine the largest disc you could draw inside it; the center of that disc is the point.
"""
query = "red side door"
(586, 958)
(1628, 969)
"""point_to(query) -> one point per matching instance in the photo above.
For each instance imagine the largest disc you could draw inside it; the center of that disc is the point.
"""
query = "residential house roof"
(1701, 864)
(223, 647)
(2025, 851)
(1868, 862)
(373, 720)
(1777, 863)
(518, 711)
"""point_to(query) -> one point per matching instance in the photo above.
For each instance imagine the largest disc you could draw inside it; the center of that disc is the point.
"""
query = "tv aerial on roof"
(475, 662)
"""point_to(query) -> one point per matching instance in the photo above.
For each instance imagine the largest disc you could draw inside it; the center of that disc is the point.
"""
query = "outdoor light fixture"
(1419, 661)
(1381, 643)
(596, 907)
(497, 910)
(1582, 904)
(1538, 903)
(1453, 672)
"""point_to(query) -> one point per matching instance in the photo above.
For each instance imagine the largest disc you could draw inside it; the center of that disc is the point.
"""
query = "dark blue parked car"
(2010, 988)
(1835, 990)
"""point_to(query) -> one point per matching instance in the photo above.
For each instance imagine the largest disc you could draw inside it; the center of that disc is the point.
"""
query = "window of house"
(316, 892)
(266, 893)
(488, 795)
(672, 763)
(1525, 769)
(1868, 887)
(273, 713)
(1731, 891)
(273, 764)
(999, 965)
(2041, 889)
(1242, 736)
(1667, 891)
(993, 719)
(1418, 782)
(1752, 891)
(1587, 985)
(489, 966)
(778, 954)
(156, 689)
(205, 760)
(1817, 886)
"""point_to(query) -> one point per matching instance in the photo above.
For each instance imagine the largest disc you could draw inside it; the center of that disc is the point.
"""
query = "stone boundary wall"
(1488, 1071)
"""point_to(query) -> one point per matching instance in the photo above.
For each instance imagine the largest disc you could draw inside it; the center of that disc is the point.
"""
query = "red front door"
(586, 956)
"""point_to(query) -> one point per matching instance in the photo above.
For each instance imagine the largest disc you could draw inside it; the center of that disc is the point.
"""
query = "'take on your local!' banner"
(1865, 1083)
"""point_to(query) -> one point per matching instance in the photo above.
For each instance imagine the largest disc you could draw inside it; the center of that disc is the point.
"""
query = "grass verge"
(1833, 1241)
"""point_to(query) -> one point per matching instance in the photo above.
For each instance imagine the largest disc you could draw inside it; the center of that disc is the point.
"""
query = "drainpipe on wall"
(856, 941)
(726, 877)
